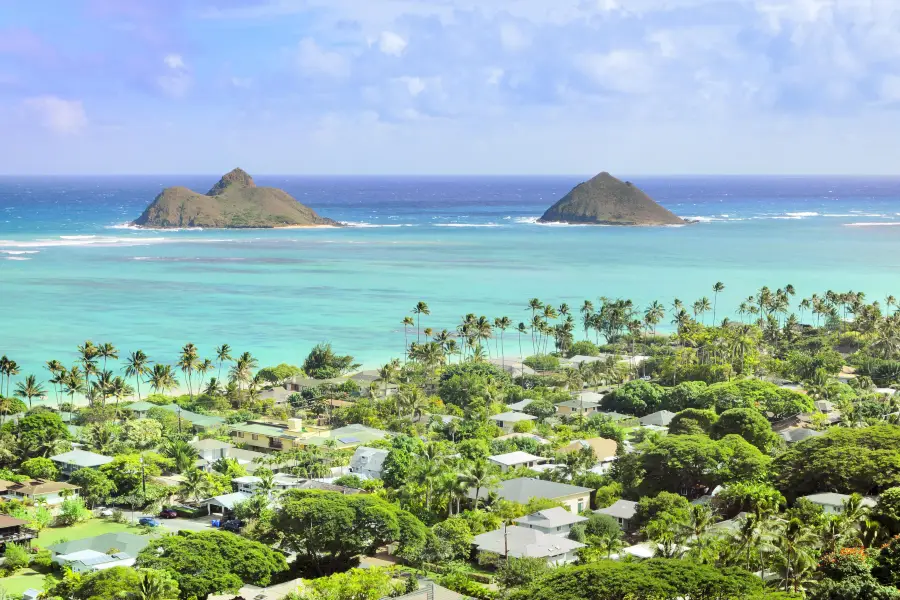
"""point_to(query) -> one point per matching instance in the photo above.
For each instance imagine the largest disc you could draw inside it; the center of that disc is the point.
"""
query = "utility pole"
(143, 479)
(179, 420)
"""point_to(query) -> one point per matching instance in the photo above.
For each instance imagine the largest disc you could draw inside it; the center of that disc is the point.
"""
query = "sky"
(450, 86)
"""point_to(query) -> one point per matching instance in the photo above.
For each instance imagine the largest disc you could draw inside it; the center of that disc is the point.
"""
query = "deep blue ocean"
(70, 270)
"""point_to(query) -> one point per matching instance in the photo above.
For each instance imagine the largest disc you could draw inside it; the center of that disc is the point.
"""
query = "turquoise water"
(72, 272)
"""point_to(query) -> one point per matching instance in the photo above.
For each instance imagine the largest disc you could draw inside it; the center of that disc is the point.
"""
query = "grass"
(17, 584)
(91, 528)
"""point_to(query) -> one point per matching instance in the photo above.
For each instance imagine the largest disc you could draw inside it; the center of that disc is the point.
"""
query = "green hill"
(234, 202)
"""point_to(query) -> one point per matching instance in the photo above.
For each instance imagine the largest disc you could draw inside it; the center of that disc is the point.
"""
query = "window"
(254, 437)
(580, 506)
(240, 434)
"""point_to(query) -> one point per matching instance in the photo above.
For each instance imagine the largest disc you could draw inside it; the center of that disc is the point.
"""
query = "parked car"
(168, 513)
(233, 525)
(148, 521)
(103, 511)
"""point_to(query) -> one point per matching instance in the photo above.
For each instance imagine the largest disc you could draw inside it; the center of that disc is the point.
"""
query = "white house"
(368, 462)
(522, 489)
(69, 462)
(507, 421)
(833, 504)
(622, 511)
(519, 406)
(511, 460)
(521, 542)
(248, 484)
(556, 521)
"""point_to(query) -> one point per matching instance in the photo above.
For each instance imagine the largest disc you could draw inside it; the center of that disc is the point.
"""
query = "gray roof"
(614, 416)
(520, 405)
(227, 501)
(551, 517)
(834, 499)
(578, 404)
(211, 444)
(512, 417)
(515, 458)
(798, 434)
(82, 458)
(660, 418)
(523, 489)
(525, 542)
(122, 541)
(429, 590)
(369, 459)
(620, 509)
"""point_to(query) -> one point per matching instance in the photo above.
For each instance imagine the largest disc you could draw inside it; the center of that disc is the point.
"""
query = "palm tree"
(152, 588)
(420, 309)
(4, 365)
(181, 453)
(213, 388)
(387, 373)
(520, 329)
(701, 307)
(10, 368)
(412, 399)
(162, 378)
(30, 388)
(503, 323)
(223, 354)
(202, 368)
(242, 371)
(481, 477)
(74, 383)
(587, 314)
(119, 389)
(106, 351)
(195, 484)
(137, 365)
(534, 305)
(794, 546)
(88, 352)
(717, 287)
(188, 364)
(56, 369)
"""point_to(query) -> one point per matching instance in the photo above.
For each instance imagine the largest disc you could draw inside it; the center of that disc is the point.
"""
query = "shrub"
(15, 557)
(583, 348)
(542, 362)
(72, 511)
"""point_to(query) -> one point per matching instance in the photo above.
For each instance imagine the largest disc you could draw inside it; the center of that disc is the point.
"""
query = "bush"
(40, 468)
(15, 557)
(72, 511)
(460, 583)
(542, 362)
(118, 515)
(583, 348)
(43, 560)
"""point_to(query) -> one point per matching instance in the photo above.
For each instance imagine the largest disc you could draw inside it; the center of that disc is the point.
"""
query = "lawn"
(91, 528)
(27, 578)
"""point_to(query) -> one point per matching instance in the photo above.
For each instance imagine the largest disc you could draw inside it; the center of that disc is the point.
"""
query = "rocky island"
(605, 200)
(234, 202)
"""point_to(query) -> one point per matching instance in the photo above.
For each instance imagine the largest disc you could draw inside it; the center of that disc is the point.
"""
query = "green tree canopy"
(323, 363)
(42, 468)
(636, 397)
(702, 418)
(747, 423)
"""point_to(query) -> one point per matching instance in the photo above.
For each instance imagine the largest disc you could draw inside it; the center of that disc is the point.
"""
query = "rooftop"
(227, 501)
(660, 418)
(512, 417)
(523, 489)
(578, 404)
(520, 405)
(515, 458)
(525, 542)
(211, 444)
(834, 499)
(82, 458)
(620, 509)
(121, 541)
(551, 517)
(39, 487)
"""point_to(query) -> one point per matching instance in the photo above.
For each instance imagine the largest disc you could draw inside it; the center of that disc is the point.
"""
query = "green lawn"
(27, 578)
(91, 528)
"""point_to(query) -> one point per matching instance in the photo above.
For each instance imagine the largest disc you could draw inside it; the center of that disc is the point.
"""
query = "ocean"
(71, 270)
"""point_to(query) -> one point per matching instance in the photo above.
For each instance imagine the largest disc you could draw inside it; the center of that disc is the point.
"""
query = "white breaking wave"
(19, 251)
(802, 214)
(883, 224)
(100, 241)
(534, 221)
(15, 258)
(466, 225)
(364, 225)
(133, 227)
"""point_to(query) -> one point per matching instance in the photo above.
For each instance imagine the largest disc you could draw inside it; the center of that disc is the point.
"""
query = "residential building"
(511, 460)
(519, 406)
(530, 436)
(833, 504)
(522, 489)
(69, 462)
(368, 462)
(99, 552)
(622, 511)
(280, 482)
(577, 407)
(619, 418)
(211, 450)
(276, 436)
(428, 590)
(15, 531)
(224, 504)
(187, 419)
(299, 384)
(556, 520)
(51, 492)
(523, 542)
(602, 448)
(824, 406)
(252, 592)
(514, 367)
(798, 434)
(660, 418)
(507, 420)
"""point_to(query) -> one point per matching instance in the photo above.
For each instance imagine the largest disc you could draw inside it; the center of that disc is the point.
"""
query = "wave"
(100, 241)
(801, 214)
(534, 221)
(15, 258)
(19, 251)
(133, 227)
(466, 225)
(879, 224)
(364, 225)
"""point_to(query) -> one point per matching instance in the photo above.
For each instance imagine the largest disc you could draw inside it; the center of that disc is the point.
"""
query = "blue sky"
(450, 86)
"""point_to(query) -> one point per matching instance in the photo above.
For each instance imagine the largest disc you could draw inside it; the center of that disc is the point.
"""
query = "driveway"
(176, 525)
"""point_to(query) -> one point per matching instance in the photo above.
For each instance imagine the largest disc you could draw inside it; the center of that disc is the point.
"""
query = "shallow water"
(70, 271)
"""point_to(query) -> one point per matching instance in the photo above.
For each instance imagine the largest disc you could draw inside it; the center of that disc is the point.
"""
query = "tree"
(542, 408)
(519, 572)
(40, 468)
(717, 287)
(39, 431)
(117, 582)
(747, 423)
(30, 388)
(162, 379)
(323, 363)
(182, 454)
(688, 464)
(664, 507)
(456, 536)
(637, 398)
(328, 530)
(356, 584)
(887, 511)
(137, 365)
(212, 561)
(690, 419)
(15, 557)
(96, 487)
(686, 394)
(72, 511)
(128, 474)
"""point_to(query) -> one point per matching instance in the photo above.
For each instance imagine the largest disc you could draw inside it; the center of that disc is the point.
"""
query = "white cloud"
(58, 115)
(176, 80)
(174, 61)
(315, 60)
(625, 71)
(513, 38)
(241, 82)
(415, 85)
(391, 44)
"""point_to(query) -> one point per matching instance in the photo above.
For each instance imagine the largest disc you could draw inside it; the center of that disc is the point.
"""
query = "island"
(234, 202)
(605, 200)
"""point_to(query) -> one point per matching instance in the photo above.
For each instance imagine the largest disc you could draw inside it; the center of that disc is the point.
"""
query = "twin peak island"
(237, 202)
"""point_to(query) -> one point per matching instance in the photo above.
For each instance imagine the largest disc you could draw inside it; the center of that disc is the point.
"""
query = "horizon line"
(444, 175)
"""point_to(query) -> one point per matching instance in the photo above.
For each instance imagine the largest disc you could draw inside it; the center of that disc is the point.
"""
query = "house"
(428, 590)
(602, 448)
(577, 407)
(278, 395)
(211, 450)
(14, 531)
(515, 368)
(522, 489)
(276, 436)
(275, 591)
(192, 420)
(507, 420)
(523, 542)
(299, 383)
(99, 552)
(798, 434)
(634, 361)
(556, 520)
(530, 436)
(824, 406)
(660, 418)
(280, 482)
(619, 418)
(69, 462)
(224, 504)
(50, 492)
(519, 406)
(833, 504)
(622, 511)
(511, 460)
(368, 462)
